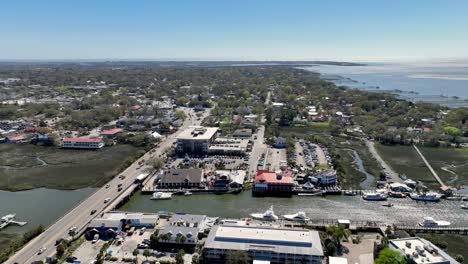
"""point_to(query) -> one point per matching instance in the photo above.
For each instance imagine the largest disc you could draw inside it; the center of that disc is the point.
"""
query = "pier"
(428, 165)
(9, 220)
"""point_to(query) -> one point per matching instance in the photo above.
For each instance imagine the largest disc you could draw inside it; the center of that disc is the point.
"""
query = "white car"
(106, 200)
(41, 250)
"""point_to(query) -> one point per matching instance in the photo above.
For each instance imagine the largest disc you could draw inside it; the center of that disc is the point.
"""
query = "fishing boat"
(430, 222)
(427, 197)
(299, 217)
(269, 215)
(161, 196)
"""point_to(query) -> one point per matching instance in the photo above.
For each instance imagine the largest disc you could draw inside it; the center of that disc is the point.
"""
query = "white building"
(267, 243)
(196, 140)
(421, 251)
(82, 143)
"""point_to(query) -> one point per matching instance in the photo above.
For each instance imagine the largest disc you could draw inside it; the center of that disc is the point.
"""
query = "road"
(259, 146)
(386, 168)
(80, 216)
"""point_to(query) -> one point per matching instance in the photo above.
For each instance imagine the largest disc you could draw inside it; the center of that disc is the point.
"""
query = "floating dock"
(9, 220)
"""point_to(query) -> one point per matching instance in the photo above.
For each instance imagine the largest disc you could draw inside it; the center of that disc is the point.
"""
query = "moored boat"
(427, 197)
(187, 193)
(350, 193)
(464, 206)
(397, 194)
(299, 217)
(269, 215)
(374, 196)
(430, 222)
(161, 196)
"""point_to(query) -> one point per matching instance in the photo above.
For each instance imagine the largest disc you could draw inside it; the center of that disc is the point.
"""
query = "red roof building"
(82, 143)
(111, 132)
(270, 183)
(17, 139)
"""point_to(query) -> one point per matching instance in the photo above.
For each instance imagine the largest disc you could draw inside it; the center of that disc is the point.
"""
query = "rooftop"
(198, 133)
(272, 177)
(421, 251)
(111, 131)
(279, 240)
(78, 139)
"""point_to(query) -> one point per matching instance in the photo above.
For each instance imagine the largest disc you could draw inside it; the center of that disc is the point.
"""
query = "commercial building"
(228, 146)
(110, 224)
(224, 180)
(181, 179)
(270, 183)
(242, 133)
(82, 143)
(183, 229)
(264, 243)
(195, 140)
(420, 251)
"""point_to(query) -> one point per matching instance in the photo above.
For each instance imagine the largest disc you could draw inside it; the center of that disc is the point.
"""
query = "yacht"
(269, 215)
(430, 222)
(464, 206)
(299, 217)
(8, 218)
(161, 196)
(350, 193)
(187, 193)
(374, 197)
(428, 197)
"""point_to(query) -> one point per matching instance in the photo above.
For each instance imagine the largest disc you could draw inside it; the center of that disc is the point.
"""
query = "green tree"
(338, 233)
(388, 256)
(180, 257)
(195, 259)
(459, 258)
(146, 253)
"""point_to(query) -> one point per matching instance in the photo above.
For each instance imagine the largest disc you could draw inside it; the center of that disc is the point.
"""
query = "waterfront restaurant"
(82, 143)
(270, 183)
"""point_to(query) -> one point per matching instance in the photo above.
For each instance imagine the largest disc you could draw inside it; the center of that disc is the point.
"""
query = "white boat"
(269, 215)
(430, 222)
(427, 197)
(464, 206)
(161, 196)
(299, 217)
(374, 196)
(187, 193)
(8, 218)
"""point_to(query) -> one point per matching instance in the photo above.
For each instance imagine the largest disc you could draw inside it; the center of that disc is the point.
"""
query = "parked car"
(93, 211)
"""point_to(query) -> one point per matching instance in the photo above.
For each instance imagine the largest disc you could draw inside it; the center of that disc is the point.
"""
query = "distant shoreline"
(440, 76)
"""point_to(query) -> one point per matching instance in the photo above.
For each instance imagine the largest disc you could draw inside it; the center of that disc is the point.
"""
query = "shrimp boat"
(269, 215)
(299, 217)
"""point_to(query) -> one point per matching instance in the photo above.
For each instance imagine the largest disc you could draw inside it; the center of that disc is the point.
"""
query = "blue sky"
(357, 30)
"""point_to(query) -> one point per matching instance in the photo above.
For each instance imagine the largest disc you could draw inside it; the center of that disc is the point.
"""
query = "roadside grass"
(454, 159)
(22, 166)
(405, 160)
(6, 238)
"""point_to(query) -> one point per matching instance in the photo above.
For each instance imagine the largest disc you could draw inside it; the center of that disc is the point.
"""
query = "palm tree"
(338, 233)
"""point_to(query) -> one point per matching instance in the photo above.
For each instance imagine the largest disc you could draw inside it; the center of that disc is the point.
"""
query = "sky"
(347, 30)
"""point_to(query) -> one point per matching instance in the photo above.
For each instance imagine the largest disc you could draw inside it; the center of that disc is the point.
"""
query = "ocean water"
(443, 83)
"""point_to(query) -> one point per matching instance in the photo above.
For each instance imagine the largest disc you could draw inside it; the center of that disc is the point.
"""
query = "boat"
(427, 197)
(464, 206)
(374, 197)
(397, 194)
(161, 196)
(388, 205)
(430, 222)
(187, 193)
(8, 218)
(299, 217)
(453, 198)
(465, 199)
(350, 193)
(269, 215)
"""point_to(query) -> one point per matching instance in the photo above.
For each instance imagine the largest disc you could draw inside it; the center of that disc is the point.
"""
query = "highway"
(80, 216)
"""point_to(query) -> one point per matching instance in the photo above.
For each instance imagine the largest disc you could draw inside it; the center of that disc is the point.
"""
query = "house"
(181, 179)
(225, 180)
(269, 183)
(183, 229)
(82, 143)
(111, 133)
(264, 243)
(326, 178)
(16, 139)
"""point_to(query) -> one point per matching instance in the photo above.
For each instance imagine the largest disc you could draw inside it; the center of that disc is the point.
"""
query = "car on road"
(119, 189)
(93, 211)
(41, 250)
(106, 200)
(119, 185)
(107, 186)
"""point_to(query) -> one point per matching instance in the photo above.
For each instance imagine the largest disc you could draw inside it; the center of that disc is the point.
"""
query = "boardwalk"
(436, 176)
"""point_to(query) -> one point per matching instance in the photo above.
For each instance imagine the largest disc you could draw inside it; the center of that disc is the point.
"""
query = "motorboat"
(7, 218)
(430, 222)
(397, 194)
(187, 193)
(269, 215)
(299, 217)
(427, 197)
(350, 193)
(464, 206)
(388, 205)
(374, 196)
(161, 196)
